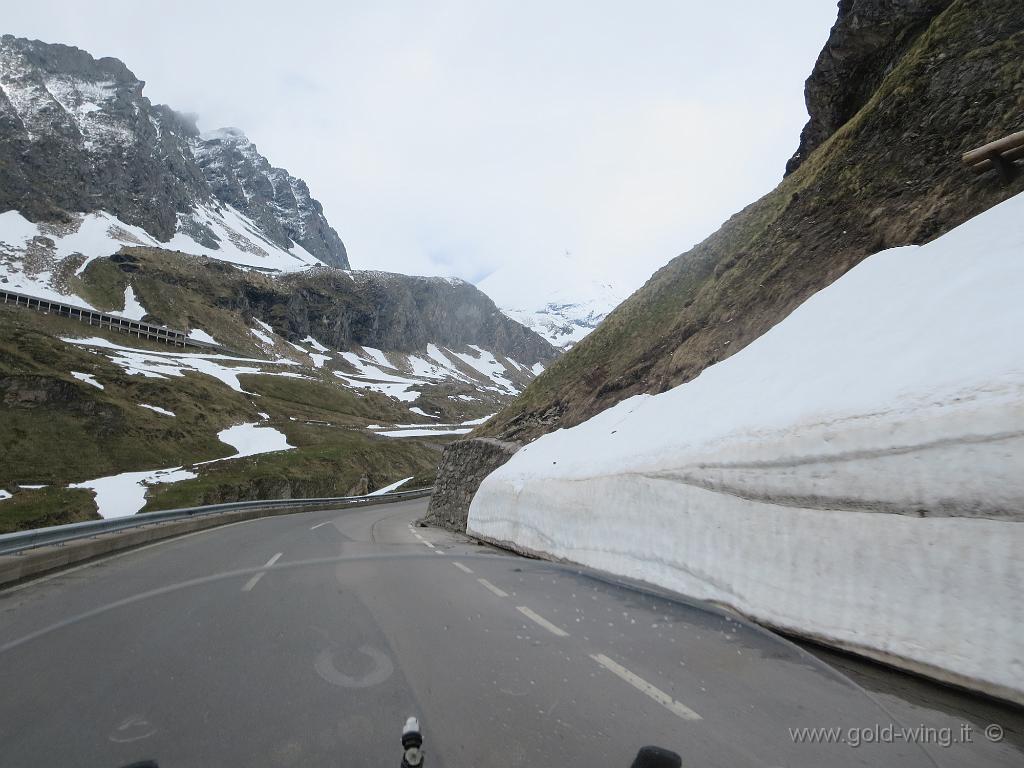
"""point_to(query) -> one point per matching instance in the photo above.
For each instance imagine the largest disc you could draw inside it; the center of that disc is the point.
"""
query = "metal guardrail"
(19, 541)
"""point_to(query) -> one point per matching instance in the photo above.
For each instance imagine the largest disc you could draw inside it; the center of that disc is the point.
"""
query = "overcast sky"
(464, 137)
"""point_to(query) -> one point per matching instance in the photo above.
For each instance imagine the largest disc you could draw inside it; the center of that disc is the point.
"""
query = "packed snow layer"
(855, 475)
(125, 494)
(390, 488)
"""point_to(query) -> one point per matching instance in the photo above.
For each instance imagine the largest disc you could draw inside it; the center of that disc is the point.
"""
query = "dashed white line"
(494, 589)
(418, 537)
(319, 524)
(429, 544)
(461, 567)
(252, 582)
(537, 618)
(642, 685)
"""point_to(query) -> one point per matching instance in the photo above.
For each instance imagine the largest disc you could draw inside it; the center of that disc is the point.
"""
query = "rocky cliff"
(340, 308)
(77, 135)
(868, 38)
(889, 174)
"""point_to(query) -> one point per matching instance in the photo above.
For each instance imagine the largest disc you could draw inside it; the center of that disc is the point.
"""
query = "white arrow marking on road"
(640, 684)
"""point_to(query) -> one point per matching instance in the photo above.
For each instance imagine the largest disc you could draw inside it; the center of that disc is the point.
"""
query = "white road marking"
(461, 567)
(537, 618)
(429, 544)
(320, 524)
(418, 536)
(494, 589)
(252, 582)
(642, 685)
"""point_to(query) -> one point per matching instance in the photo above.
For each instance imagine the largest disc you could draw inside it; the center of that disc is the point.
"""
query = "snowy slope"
(856, 474)
(35, 258)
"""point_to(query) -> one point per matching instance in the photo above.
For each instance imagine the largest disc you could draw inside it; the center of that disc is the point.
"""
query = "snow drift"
(855, 475)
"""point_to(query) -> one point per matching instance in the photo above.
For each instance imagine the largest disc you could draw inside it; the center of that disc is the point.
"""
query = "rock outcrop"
(78, 135)
(277, 201)
(867, 40)
(464, 466)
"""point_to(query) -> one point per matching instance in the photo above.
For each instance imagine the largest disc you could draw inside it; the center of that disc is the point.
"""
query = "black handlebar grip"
(656, 757)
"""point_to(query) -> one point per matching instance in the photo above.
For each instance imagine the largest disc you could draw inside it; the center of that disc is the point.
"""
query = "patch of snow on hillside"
(200, 335)
(125, 494)
(378, 357)
(160, 365)
(421, 412)
(252, 440)
(239, 241)
(486, 364)
(265, 338)
(158, 409)
(4, 495)
(423, 432)
(133, 310)
(88, 378)
(316, 344)
(389, 488)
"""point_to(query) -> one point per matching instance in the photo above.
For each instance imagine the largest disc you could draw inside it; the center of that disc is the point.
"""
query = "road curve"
(306, 640)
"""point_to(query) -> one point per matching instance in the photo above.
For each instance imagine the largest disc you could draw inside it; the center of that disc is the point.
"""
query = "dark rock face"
(277, 201)
(391, 311)
(866, 41)
(77, 135)
(464, 466)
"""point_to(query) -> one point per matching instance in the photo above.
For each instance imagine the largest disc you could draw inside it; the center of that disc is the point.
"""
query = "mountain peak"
(80, 138)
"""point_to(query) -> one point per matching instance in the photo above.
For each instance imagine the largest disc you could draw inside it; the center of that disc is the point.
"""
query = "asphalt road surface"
(306, 640)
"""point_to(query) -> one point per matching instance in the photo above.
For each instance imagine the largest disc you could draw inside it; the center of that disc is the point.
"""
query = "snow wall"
(855, 475)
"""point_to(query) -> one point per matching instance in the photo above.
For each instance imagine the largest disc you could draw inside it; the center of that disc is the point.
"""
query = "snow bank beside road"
(856, 474)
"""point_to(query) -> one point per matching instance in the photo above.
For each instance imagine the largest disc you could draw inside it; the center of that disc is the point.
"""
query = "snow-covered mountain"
(563, 320)
(77, 137)
(562, 306)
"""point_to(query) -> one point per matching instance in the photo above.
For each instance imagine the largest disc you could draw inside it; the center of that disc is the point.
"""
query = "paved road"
(305, 640)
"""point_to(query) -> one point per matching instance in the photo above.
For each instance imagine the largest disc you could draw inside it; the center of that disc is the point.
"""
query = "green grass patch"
(44, 507)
